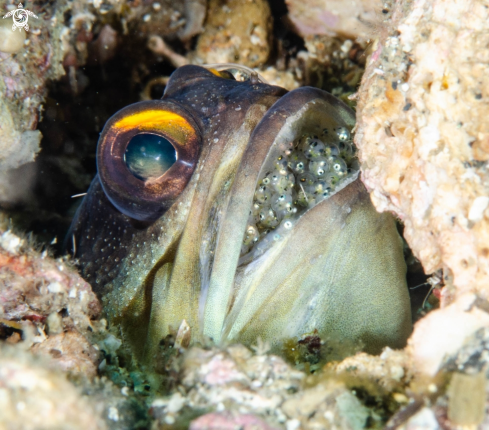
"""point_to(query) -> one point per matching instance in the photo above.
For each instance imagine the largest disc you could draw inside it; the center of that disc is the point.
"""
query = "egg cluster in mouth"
(309, 170)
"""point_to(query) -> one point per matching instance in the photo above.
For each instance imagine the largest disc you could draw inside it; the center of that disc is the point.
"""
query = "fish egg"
(319, 166)
(262, 194)
(288, 224)
(251, 234)
(339, 166)
(283, 183)
(313, 148)
(331, 151)
(342, 133)
(346, 150)
(306, 179)
(297, 162)
(281, 164)
(281, 202)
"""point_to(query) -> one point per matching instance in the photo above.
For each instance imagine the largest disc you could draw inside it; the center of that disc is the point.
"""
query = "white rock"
(177, 402)
(293, 424)
(424, 420)
(10, 242)
(476, 212)
(113, 414)
(443, 331)
(55, 287)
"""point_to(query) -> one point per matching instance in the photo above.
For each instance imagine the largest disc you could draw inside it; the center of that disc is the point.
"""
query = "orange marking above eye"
(215, 72)
(154, 120)
(225, 74)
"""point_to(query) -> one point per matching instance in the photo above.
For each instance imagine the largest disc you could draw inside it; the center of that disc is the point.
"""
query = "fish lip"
(281, 119)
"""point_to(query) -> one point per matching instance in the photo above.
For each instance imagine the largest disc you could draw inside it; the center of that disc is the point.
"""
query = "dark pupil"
(149, 156)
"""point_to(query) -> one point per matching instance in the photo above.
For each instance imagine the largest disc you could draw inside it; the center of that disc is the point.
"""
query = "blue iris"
(149, 156)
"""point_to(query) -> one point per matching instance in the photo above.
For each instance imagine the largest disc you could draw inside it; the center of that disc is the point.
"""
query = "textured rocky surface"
(49, 331)
(50, 337)
(236, 32)
(36, 289)
(333, 64)
(22, 89)
(72, 352)
(50, 305)
(36, 396)
(248, 389)
(423, 136)
(352, 19)
(443, 332)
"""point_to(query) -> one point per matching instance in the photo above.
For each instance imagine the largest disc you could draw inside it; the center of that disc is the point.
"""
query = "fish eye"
(149, 156)
(146, 155)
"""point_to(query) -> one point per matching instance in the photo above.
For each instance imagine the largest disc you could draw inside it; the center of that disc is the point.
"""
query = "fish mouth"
(334, 267)
(297, 277)
(239, 276)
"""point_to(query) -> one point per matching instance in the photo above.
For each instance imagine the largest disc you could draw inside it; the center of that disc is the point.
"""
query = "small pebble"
(10, 41)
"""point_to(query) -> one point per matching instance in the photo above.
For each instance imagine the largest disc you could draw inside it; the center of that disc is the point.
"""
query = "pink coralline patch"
(353, 19)
(224, 421)
(324, 23)
(329, 19)
(220, 371)
(35, 318)
(9, 86)
(375, 56)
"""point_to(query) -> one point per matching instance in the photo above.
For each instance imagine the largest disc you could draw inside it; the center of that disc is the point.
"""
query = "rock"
(33, 396)
(423, 420)
(284, 79)
(307, 403)
(240, 388)
(353, 413)
(472, 357)
(235, 32)
(443, 332)
(467, 399)
(37, 290)
(423, 135)
(34, 286)
(223, 421)
(10, 41)
(71, 352)
(390, 370)
(352, 19)
(233, 379)
(328, 404)
(24, 75)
